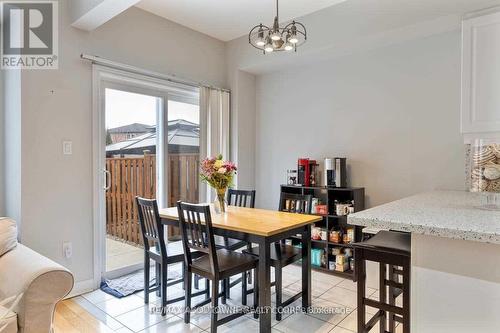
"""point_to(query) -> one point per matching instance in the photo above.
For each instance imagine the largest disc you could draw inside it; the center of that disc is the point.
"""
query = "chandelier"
(277, 38)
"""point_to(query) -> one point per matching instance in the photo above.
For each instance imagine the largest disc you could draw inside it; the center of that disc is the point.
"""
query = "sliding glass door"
(149, 147)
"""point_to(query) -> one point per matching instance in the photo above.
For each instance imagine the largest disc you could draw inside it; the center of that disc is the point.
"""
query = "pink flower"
(222, 170)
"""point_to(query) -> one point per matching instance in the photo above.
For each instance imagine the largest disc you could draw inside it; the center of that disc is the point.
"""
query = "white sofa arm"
(41, 281)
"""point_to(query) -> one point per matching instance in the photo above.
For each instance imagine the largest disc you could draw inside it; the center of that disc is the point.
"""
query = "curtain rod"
(137, 70)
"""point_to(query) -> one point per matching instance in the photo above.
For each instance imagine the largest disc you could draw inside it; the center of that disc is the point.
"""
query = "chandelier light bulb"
(269, 48)
(276, 35)
(260, 41)
(288, 46)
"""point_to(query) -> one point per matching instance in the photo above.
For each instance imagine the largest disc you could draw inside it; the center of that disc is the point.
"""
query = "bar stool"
(392, 250)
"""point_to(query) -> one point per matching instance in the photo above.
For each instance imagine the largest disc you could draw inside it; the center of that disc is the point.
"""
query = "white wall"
(57, 189)
(11, 144)
(393, 112)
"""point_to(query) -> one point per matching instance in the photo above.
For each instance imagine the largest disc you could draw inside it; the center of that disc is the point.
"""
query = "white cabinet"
(481, 74)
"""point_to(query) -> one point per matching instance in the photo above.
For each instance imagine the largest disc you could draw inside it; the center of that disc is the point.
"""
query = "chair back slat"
(151, 227)
(197, 234)
(295, 203)
(241, 198)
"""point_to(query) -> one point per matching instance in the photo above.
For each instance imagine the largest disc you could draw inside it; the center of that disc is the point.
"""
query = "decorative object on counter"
(291, 177)
(318, 234)
(322, 209)
(484, 171)
(329, 173)
(335, 172)
(303, 172)
(340, 172)
(218, 174)
(314, 203)
(344, 208)
(313, 173)
(315, 233)
(316, 257)
(350, 235)
(336, 251)
(307, 172)
(345, 238)
(334, 236)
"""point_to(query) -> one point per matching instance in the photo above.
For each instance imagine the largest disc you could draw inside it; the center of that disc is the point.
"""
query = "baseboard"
(82, 287)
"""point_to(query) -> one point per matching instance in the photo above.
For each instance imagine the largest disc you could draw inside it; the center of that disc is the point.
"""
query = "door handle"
(107, 180)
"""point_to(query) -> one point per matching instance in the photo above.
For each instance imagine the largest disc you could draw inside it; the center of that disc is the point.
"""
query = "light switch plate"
(67, 147)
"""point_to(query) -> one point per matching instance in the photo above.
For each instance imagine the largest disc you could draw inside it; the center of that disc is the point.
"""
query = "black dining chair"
(216, 265)
(163, 254)
(281, 254)
(240, 198)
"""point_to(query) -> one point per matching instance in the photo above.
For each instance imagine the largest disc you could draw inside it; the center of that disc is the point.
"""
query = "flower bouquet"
(218, 174)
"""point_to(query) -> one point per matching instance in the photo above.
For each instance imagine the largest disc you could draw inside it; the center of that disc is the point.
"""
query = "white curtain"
(214, 129)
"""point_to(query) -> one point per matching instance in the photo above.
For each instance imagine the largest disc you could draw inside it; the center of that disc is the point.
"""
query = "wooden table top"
(254, 221)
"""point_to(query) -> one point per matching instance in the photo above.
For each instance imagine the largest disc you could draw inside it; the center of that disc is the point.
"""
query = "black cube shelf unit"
(331, 221)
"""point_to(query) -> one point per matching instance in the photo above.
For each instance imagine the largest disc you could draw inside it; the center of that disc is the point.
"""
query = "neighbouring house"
(183, 137)
(122, 133)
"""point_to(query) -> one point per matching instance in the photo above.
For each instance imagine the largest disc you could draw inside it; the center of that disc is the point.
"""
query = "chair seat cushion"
(279, 253)
(391, 241)
(230, 263)
(8, 319)
(175, 253)
(232, 244)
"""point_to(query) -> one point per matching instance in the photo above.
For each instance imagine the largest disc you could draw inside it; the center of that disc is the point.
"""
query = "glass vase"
(220, 201)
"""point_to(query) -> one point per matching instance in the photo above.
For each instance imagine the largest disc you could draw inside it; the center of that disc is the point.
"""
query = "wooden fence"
(136, 176)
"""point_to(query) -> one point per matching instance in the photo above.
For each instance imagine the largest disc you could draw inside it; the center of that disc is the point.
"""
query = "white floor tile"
(124, 330)
(97, 296)
(140, 318)
(117, 306)
(300, 323)
(173, 324)
(348, 284)
(98, 313)
(339, 329)
(332, 280)
(240, 325)
(317, 288)
(341, 296)
(331, 312)
(130, 314)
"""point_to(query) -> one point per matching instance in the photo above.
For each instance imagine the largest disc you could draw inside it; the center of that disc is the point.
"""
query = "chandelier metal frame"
(277, 38)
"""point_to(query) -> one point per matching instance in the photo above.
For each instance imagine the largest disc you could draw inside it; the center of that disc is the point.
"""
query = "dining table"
(264, 228)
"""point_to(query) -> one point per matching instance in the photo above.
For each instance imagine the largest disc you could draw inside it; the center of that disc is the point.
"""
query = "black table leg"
(306, 268)
(264, 286)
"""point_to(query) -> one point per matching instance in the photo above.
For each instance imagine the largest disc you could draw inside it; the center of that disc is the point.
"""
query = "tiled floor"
(130, 314)
(120, 254)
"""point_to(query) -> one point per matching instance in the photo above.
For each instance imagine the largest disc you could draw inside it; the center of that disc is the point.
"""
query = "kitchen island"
(455, 278)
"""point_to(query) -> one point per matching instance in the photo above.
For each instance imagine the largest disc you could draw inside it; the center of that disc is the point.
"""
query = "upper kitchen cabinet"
(481, 74)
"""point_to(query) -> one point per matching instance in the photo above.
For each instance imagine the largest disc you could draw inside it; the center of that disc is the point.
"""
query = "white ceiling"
(230, 19)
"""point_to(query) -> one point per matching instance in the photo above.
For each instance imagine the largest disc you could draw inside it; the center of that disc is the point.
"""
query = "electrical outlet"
(67, 250)
(67, 147)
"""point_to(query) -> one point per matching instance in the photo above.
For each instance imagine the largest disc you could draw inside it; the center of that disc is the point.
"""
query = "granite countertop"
(452, 214)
